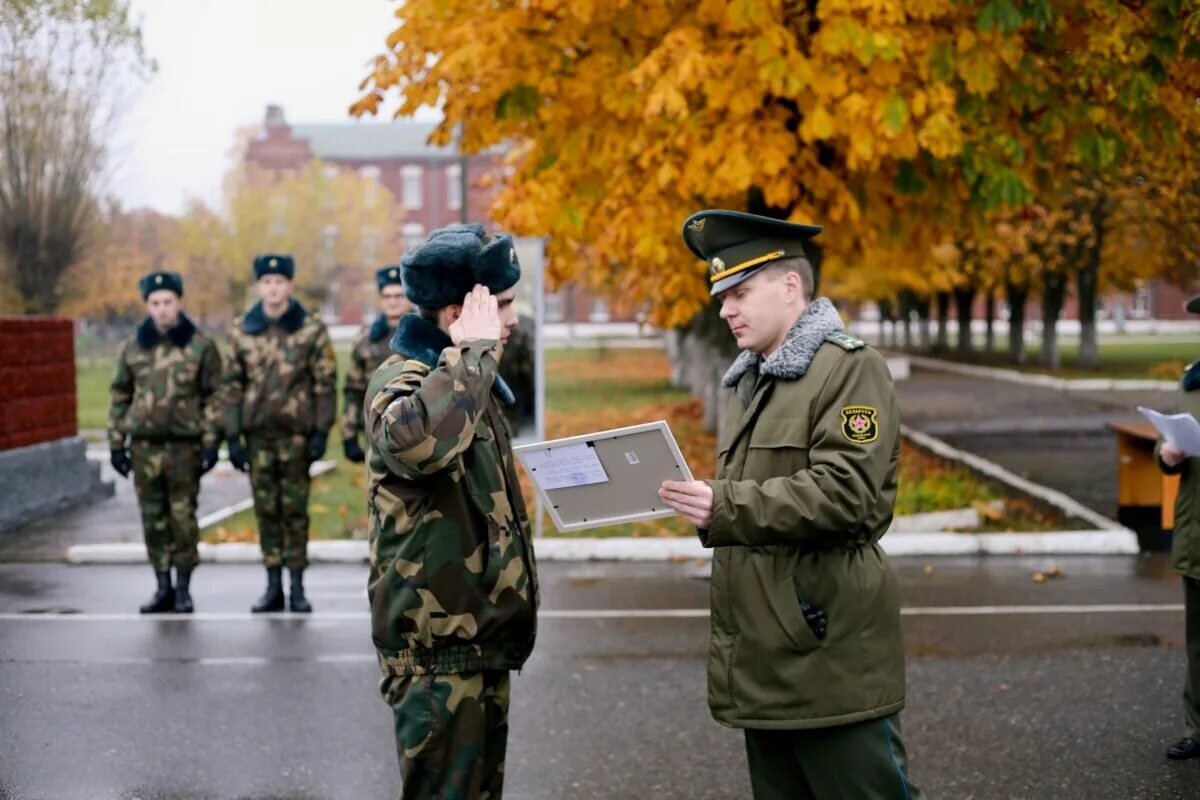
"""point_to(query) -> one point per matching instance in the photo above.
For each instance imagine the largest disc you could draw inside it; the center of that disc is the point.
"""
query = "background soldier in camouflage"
(372, 346)
(280, 387)
(518, 369)
(163, 400)
(453, 584)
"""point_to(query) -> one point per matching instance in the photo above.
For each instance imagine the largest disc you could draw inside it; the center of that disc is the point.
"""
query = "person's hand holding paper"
(1181, 433)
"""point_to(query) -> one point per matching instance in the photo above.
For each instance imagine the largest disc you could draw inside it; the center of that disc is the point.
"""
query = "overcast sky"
(220, 62)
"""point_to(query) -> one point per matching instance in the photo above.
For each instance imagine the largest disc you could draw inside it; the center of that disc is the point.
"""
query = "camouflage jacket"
(372, 346)
(453, 582)
(282, 375)
(166, 386)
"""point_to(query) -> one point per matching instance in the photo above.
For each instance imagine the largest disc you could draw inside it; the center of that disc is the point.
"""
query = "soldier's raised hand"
(480, 317)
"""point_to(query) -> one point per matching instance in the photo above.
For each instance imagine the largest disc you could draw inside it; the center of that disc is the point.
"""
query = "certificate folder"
(605, 478)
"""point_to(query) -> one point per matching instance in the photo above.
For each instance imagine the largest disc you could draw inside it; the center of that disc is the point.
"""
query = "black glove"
(316, 446)
(121, 461)
(352, 450)
(237, 455)
(208, 459)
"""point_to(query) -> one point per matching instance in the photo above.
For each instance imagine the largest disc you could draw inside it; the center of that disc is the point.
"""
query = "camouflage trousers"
(451, 734)
(279, 478)
(166, 476)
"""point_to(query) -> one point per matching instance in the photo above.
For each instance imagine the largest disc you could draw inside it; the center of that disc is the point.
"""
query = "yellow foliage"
(900, 124)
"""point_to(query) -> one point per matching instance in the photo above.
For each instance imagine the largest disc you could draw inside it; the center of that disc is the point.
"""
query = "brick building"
(426, 181)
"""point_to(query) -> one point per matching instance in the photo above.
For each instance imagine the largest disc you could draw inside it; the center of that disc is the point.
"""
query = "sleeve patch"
(859, 424)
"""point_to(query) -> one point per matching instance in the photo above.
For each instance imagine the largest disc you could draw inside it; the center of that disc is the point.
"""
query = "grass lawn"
(1164, 359)
(589, 390)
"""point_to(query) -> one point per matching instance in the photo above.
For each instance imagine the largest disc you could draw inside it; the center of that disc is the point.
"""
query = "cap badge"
(158, 278)
(273, 262)
(697, 225)
(717, 265)
(393, 273)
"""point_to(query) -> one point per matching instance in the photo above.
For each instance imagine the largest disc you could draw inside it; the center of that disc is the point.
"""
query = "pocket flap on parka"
(780, 433)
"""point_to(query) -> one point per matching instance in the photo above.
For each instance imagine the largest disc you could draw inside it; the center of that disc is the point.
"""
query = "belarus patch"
(859, 424)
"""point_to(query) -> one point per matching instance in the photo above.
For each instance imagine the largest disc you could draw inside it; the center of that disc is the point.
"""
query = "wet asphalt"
(1004, 702)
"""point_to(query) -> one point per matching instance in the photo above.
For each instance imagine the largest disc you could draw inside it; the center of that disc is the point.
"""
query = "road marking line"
(604, 613)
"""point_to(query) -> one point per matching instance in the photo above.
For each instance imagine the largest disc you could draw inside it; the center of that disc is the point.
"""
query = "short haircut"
(798, 265)
(429, 314)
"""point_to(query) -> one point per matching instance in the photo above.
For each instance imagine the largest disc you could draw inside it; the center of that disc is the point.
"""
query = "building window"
(278, 206)
(414, 235)
(411, 193)
(329, 237)
(554, 307)
(1141, 300)
(599, 312)
(370, 246)
(371, 189)
(454, 187)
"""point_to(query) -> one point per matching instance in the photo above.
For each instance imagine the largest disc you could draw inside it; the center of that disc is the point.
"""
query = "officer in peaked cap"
(806, 651)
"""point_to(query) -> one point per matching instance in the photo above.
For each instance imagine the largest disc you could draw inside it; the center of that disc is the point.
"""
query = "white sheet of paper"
(566, 466)
(1181, 430)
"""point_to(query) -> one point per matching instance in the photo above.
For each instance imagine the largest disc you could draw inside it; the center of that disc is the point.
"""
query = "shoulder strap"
(845, 340)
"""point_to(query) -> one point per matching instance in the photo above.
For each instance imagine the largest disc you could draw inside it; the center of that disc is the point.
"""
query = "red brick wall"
(37, 380)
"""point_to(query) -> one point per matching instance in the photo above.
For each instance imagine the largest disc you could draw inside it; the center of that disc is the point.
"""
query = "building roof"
(368, 141)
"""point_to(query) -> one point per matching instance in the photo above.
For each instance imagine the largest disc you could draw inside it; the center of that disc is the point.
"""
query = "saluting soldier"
(453, 586)
(1185, 554)
(164, 426)
(806, 651)
(372, 346)
(280, 398)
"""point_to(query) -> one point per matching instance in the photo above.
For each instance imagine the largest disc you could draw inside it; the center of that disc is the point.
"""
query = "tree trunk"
(989, 337)
(1017, 296)
(943, 330)
(923, 325)
(964, 301)
(1054, 291)
(1089, 345)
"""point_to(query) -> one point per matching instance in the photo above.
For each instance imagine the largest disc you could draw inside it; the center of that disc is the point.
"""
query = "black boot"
(183, 598)
(164, 599)
(298, 601)
(272, 599)
(1184, 749)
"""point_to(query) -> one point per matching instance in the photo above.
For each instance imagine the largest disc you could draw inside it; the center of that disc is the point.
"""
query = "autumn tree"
(66, 67)
(337, 224)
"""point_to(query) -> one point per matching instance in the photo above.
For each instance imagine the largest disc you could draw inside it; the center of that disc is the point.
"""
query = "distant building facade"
(425, 180)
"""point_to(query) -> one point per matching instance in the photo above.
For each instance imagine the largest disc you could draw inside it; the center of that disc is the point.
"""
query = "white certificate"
(606, 477)
(564, 467)
(1181, 430)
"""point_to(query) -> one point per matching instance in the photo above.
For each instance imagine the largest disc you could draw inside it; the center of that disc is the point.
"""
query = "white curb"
(1047, 381)
(1105, 542)
(1070, 507)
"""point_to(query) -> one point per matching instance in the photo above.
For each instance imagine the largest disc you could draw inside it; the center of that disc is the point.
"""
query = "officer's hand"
(1171, 455)
(692, 500)
(121, 461)
(208, 459)
(237, 455)
(316, 446)
(352, 450)
(480, 318)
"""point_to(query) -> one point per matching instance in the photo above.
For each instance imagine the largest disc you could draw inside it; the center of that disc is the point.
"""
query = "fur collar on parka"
(419, 339)
(379, 329)
(795, 355)
(148, 335)
(255, 321)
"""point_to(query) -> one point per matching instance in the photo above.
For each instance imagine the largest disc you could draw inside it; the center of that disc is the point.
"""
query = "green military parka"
(805, 488)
